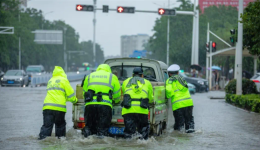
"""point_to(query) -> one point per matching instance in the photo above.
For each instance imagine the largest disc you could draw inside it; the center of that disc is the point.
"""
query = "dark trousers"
(97, 120)
(139, 121)
(184, 116)
(51, 117)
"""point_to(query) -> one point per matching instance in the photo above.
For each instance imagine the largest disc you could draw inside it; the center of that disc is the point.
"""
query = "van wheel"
(159, 129)
(164, 125)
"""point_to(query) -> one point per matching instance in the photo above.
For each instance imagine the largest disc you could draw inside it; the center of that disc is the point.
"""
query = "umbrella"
(196, 67)
(216, 68)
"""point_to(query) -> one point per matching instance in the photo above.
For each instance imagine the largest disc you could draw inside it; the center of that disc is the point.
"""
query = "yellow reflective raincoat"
(102, 81)
(58, 91)
(143, 91)
(179, 94)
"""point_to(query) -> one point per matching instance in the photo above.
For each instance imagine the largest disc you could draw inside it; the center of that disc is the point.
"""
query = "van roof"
(162, 64)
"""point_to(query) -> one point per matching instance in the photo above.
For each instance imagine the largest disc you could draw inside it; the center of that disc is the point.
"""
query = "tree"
(34, 54)
(251, 20)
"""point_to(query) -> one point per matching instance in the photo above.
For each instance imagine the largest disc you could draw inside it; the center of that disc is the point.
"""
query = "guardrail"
(44, 78)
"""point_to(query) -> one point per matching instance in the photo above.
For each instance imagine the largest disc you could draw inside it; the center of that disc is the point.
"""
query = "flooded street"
(218, 126)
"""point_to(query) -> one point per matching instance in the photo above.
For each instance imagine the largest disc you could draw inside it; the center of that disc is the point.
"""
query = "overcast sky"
(110, 26)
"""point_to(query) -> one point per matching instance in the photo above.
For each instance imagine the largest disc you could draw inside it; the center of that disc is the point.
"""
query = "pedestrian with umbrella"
(216, 69)
(195, 67)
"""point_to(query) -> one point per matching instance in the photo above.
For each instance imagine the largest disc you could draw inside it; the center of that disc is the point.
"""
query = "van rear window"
(127, 72)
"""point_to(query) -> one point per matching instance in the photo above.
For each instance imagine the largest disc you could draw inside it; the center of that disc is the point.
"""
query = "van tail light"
(256, 81)
(149, 115)
(81, 118)
(120, 120)
(81, 124)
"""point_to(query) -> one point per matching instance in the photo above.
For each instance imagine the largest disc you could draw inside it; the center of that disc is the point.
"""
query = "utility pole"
(168, 36)
(239, 48)
(94, 33)
(195, 37)
(19, 43)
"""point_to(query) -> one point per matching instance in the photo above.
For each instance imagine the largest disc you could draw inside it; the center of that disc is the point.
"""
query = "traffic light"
(233, 36)
(207, 46)
(84, 7)
(232, 31)
(214, 46)
(168, 12)
(105, 8)
(138, 57)
(121, 9)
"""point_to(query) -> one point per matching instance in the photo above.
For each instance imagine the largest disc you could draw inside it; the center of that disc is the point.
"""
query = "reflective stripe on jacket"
(58, 91)
(102, 81)
(146, 91)
(180, 95)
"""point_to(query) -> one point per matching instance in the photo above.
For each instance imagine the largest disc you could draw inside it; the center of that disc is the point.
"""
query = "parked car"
(256, 79)
(34, 70)
(15, 78)
(1, 75)
(192, 88)
(200, 84)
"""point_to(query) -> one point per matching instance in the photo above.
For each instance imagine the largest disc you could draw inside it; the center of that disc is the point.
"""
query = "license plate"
(116, 130)
(10, 82)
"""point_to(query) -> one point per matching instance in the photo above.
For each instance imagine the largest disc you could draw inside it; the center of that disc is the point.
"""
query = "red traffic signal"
(161, 11)
(120, 9)
(213, 44)
(79, 7)
(84, 7)
(167, 12)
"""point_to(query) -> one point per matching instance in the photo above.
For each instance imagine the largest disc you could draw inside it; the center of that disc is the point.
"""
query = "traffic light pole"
(152, 11)
(210, 64)
(168, 37)
(194, 13)
(207, 58)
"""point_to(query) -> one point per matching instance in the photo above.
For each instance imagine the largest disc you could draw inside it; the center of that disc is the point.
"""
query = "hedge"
(249, 102)
(248, 87)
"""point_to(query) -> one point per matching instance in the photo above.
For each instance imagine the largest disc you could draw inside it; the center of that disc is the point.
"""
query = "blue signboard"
(138, 54)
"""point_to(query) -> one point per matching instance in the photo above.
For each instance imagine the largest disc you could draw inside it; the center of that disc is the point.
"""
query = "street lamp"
(45, 15)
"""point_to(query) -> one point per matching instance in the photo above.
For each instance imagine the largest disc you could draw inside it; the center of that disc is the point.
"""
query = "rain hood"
(58, 71)
(104, 67)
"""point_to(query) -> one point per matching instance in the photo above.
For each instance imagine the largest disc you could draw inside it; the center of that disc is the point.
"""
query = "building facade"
(234, 3)
(129, 43)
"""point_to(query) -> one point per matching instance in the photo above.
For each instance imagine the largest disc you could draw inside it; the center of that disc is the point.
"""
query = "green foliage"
(249, 102)
(251, 28)
(248, 87)
(34, 54)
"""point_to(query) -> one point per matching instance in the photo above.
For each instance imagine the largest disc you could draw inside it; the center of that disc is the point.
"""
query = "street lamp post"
(239, 54)
(65, 56)
(45, 15)
(94, 33)
(168, 35)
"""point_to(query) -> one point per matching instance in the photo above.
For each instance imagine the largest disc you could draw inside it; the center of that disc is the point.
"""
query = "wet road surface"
(218, 126)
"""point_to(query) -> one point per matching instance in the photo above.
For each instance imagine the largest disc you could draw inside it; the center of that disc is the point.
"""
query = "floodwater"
(218, 126)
